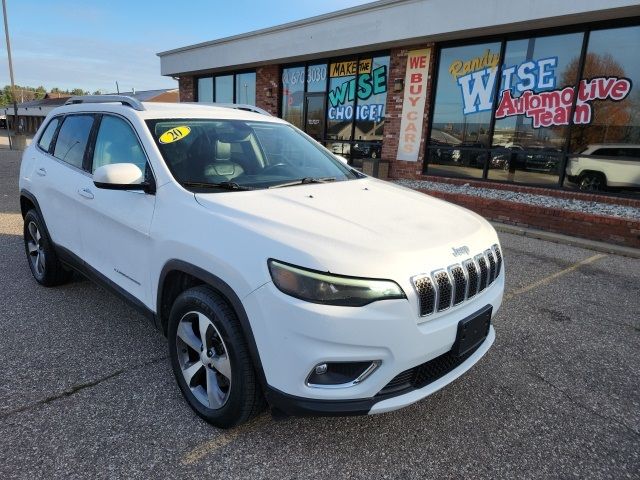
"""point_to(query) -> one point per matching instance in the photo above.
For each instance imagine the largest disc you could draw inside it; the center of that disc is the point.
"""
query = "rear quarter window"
(73, 138)
(45, 139)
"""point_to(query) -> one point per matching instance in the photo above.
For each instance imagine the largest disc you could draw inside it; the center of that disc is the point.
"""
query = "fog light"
(321, 369)
(340, 374)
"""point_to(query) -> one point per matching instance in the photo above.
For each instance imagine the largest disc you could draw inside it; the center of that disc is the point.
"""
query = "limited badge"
(175, 134)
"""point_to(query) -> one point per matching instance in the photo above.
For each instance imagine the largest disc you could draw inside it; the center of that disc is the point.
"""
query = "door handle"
(42, 172)
(85, 192)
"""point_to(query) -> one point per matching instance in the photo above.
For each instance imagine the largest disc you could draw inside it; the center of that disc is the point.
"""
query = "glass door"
(314, 105)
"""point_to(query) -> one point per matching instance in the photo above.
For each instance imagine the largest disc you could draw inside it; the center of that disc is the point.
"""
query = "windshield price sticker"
(175, 134)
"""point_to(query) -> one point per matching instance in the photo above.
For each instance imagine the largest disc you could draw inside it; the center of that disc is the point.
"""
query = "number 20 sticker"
(175, 134)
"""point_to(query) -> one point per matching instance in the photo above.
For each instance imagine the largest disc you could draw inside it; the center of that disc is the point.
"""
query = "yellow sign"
(488, 59)
(175, 134)
(343, 69)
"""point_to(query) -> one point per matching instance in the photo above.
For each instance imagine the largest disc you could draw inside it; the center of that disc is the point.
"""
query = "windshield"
(205, 154)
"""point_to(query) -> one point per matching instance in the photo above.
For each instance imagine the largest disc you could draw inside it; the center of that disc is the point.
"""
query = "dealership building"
(503, 93)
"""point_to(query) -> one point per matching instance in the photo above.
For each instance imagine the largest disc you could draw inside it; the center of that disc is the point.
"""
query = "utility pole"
(13, 85)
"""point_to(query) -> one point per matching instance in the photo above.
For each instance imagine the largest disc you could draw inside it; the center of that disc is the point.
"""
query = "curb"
(568, 240)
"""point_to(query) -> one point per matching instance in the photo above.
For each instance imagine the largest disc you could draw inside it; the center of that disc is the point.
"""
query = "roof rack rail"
(123, 99)
(237, 106)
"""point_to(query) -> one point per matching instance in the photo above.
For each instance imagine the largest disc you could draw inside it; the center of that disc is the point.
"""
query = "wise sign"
(415, 94)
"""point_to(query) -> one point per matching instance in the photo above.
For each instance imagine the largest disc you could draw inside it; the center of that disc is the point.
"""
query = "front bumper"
(306, 406)
(293, 336)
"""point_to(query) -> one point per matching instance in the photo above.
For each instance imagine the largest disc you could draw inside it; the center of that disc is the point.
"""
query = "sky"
(91, 44)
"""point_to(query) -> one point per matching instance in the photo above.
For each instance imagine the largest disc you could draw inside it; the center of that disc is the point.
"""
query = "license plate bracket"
(472, 331)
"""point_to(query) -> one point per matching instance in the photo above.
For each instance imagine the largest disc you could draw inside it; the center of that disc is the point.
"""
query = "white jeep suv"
(279, 274)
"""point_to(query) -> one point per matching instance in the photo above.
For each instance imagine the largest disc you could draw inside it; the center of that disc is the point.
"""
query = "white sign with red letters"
(415, 95)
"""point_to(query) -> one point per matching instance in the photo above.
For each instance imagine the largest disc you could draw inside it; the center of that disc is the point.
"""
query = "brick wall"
(187, 90)
(619, 231)
(267, 79)
(397, 70)
(552, 192)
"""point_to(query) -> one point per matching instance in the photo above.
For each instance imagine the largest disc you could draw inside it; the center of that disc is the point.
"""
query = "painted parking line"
(553, 276)
(225, 438)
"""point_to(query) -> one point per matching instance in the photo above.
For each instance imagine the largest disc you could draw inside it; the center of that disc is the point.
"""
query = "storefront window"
(224, 89)
(293, 95)
(605, 143)
(246, 88)
(205, 89)
(341, 101)
(462, 110)
(534, 105)
(372, 98)
(317, 78)
(552, 108)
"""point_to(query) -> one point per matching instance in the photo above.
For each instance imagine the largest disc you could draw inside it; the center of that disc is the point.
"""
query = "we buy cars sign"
(415, 95)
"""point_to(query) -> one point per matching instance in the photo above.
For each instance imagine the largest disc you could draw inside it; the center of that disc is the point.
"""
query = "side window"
(607, 152)
(117, 143)
(631, 152)
(72, 139)
(45, 139)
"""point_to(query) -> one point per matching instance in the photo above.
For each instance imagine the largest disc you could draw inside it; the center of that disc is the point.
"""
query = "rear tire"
(216, 376)
(45, 266)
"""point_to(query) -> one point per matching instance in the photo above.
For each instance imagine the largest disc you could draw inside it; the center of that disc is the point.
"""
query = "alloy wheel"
(204, 360)
(591, 183)
(36, 249)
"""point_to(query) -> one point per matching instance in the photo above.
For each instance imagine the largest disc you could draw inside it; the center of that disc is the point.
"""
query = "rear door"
(116, 223)
(58, 171)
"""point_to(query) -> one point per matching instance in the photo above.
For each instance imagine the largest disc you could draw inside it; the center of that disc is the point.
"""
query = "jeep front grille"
(457, 283)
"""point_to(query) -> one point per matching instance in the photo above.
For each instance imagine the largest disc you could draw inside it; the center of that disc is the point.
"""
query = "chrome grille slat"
(446, 288)
(474, 279)
(484, 272)
(459, 281)
(498, 255)
(492, 265)
(427, 295)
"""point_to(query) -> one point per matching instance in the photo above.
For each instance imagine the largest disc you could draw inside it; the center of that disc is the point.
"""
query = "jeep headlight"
(329, 289)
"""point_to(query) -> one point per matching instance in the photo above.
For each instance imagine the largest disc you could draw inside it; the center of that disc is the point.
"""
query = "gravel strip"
(595, 208)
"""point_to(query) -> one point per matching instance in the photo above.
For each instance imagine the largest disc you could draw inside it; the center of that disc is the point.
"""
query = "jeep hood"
(353, 227)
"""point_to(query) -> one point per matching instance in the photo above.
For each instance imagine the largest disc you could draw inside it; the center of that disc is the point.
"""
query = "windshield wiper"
(222, 185)
(304, 180)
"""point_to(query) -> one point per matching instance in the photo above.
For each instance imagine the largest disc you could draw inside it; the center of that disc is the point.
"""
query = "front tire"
(210, 359)
(41, 255)
(592, 182)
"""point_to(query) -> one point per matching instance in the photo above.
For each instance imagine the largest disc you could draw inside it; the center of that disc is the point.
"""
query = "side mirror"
(121, 176)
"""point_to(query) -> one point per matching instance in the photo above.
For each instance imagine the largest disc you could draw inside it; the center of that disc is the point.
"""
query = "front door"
(314, 105)
(116, 223)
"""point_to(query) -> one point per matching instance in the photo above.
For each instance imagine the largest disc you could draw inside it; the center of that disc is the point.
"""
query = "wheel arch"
(28, 202)
(177, 276)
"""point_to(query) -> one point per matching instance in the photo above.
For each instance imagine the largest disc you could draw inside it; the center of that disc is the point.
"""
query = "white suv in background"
(601, 166)
(277, 272)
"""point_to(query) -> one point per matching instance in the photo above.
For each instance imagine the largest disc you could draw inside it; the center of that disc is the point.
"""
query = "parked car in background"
(3, 122)
(603, 166)
(366, 150)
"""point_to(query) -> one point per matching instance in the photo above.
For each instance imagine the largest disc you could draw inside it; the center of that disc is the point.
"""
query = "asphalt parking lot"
(86, 390)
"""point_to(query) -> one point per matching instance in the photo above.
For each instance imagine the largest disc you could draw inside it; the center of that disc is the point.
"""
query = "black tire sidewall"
(51, 259)
(233, 411)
